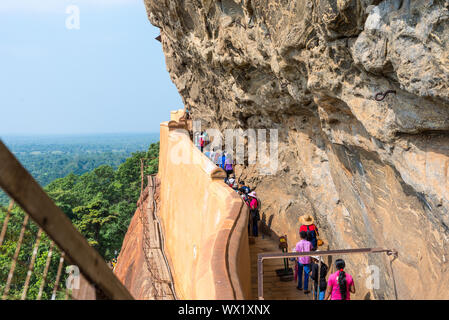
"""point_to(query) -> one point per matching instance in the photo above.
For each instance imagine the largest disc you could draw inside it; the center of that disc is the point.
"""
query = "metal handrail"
(280, 255)
(16, 181)
(161, 237)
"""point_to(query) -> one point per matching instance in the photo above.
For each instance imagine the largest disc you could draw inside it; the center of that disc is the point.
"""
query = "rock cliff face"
(372, 173)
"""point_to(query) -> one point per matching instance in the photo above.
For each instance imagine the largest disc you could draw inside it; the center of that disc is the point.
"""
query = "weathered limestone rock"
(373, 173)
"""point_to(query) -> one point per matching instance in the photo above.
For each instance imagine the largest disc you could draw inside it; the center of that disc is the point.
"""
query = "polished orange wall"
(204, 222)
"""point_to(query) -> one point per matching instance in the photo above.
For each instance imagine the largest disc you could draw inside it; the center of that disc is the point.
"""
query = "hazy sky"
(107, 76)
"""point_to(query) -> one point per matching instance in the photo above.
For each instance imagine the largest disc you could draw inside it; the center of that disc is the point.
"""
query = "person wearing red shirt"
(310, 228)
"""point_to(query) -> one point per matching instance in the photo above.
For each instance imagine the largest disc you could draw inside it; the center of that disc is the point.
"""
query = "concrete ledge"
(184, 152)
(176, 115)
(204, 222)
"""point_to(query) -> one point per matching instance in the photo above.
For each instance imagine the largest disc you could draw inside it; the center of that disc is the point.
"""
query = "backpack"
(311, 236)
(255, 214)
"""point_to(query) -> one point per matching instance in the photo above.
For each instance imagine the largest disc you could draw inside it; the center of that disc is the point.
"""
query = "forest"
(100, 203)
(50, 157)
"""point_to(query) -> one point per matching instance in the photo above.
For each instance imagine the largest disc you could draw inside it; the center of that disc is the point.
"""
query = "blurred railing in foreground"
(32, 267)
(37, 240)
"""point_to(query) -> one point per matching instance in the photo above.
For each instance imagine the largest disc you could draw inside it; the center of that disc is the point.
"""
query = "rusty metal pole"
(5, 222)
(260, 277)
(44, 276)
(58, 276)
(16, 256)
(318, 280)
(17, 182)
(30, 268)
(263, 256)
(141, 176)
(395, 256)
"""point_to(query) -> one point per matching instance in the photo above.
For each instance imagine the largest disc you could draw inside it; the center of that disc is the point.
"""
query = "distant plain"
(48, 157)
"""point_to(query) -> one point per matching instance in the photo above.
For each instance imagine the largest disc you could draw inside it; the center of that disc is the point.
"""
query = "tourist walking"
(340, 284)
(322, 285)
(228, 165)
(216, 157)
(244, 189)
(196, 139)
(208, 153)
(230, 181)
(206, 138)
(202, 141)
(212, 154)
(223, 160)
(303, 262)
(244, 196)
(254, 212)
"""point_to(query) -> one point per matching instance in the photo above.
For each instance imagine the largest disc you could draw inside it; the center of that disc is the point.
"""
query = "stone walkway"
(274, 289)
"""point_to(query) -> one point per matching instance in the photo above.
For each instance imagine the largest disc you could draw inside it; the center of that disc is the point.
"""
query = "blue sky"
(107, 77)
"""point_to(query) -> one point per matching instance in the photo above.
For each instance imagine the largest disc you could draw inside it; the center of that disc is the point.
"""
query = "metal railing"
(282, 255)
(32, 265)
(26, 192)
(153, 243)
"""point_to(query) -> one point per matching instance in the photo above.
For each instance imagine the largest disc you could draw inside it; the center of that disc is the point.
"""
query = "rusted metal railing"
(58, 276)
(153, 243)
(47, 266)
(26, 192)
(282, 255)
(5, 222)
(16, 256)
(31, 266)
(22, 264)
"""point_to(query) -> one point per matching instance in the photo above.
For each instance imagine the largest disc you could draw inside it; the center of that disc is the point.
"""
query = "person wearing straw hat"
(254, 212)
(310, 228)
(314, 276)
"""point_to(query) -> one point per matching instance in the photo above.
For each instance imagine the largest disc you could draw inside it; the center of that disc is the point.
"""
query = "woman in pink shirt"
(340, 284)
